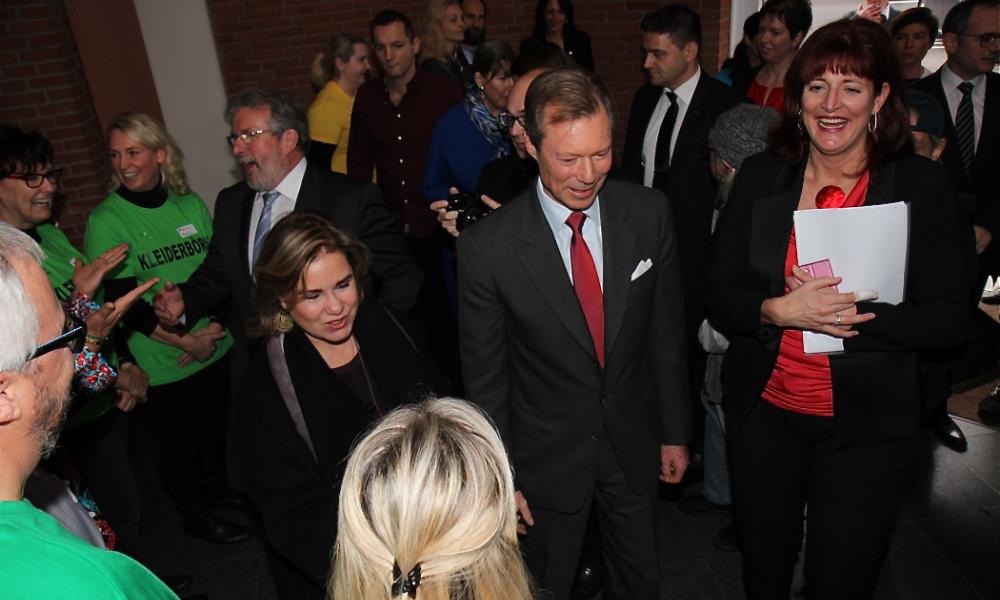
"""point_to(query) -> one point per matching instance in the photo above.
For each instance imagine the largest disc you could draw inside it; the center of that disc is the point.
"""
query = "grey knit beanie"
(741, 132)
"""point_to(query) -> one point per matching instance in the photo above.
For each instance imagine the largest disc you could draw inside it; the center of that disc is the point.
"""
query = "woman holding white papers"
(833, 435)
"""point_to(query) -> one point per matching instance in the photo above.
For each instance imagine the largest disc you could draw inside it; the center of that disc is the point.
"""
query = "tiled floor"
(946, 544)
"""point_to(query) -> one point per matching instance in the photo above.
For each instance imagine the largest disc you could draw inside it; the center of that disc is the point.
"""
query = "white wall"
(182, 55)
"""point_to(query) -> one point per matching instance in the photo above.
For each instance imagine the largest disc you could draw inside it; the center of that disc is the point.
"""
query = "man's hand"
(871, 11)
(131, 386)
(169, 305)
(447, 218)
(201, 344)
(983, 238)
(524, 518)
(673, 462)
(87, 276)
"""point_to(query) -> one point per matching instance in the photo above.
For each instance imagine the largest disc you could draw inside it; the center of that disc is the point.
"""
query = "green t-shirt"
(58, 265)
(40, 559)
(168, 242)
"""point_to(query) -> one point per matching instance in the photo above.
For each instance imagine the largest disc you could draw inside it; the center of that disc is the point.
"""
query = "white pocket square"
(641, 268)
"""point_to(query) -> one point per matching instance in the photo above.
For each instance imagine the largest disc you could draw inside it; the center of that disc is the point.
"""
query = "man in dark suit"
(970, 94)
(665, 143)
(269, 140)
(571, 331)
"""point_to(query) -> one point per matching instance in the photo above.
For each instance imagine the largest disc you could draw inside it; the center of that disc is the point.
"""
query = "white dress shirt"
(288, 192)
(949, 82)
(684, 93)
(556, 215)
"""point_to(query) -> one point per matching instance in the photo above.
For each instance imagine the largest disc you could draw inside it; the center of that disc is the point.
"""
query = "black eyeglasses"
(249, 135)
(34, 180)
(71, 337)
(507, 120)
(985, 39)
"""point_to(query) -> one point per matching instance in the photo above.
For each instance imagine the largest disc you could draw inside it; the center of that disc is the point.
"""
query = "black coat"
(876, 380)
(529, 361)
(691, 189)
(983, 188)
(295, 494)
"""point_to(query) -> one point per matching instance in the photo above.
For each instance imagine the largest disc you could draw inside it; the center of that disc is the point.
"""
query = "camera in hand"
(470, 209)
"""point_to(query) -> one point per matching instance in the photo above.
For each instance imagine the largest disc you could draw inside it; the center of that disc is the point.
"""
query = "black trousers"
(552, 547)
(187, 421)
(786, 469)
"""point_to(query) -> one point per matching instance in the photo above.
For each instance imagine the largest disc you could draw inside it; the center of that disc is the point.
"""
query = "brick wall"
(272, 44)
(43, 87)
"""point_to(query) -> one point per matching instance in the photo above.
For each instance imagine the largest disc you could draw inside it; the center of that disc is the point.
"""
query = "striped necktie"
(965, 127)
(263, 224)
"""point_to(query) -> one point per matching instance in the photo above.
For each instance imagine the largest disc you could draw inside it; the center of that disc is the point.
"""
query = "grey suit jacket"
(528, 359)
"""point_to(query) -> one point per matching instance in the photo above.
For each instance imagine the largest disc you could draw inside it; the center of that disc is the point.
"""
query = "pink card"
(820, 268)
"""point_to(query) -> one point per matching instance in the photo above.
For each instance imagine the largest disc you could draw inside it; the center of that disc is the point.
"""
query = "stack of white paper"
(866, 246)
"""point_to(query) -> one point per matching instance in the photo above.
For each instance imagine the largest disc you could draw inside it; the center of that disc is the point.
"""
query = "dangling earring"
(283, 323)
(873, 123)
(799, 122)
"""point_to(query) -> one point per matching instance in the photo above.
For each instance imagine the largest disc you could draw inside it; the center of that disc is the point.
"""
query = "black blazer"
(876, 381)
(527, 355)
(984, 186)
(355, 207)
(691, 189)
(295, 494)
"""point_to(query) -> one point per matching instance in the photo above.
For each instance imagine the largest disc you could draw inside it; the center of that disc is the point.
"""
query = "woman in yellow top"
(337, 73)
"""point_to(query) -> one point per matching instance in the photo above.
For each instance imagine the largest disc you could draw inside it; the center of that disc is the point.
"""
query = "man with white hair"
(41, 559)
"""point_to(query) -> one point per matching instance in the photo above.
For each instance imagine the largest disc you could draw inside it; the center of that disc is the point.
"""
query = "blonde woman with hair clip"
(440, 34)
(337, 73)
(168, 229)
(427, 511)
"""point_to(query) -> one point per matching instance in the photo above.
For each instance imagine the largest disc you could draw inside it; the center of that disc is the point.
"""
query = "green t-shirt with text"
(168, 242)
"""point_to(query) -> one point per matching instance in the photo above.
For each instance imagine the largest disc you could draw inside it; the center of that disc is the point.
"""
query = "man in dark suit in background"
(666, 139)
(970, 94)
(269, 140)
(571, 331)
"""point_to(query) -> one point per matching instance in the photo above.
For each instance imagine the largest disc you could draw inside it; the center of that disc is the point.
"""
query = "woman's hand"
(812, 304)
(200, 345)
(103, 321)
(87, 276)
(130, 387)
(447, 218)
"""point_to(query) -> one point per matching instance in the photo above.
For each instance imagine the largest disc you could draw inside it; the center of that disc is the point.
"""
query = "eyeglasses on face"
(34, 180)
(71, 337)
(249, 135)
(507, 120)
(985, 39)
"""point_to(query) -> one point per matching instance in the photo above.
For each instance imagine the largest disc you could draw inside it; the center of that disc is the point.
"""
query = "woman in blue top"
(469, 135)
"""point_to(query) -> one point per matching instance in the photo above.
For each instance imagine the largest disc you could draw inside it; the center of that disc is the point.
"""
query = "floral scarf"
(486, 123)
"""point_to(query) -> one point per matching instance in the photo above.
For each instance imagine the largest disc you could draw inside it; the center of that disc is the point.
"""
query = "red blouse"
(775, 100)
(801, 382)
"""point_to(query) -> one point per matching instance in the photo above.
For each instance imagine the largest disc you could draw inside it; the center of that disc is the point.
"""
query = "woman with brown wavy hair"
(830, 435)
(333, 363)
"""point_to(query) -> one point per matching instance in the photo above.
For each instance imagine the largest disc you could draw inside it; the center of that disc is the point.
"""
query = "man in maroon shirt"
(391, 126)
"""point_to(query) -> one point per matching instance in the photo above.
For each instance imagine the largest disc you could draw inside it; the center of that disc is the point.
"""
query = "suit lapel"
(619, 252)
(686, 142)
(991, 115)
(881, 186)
(542, 262)
(241, 251)
(772, 226)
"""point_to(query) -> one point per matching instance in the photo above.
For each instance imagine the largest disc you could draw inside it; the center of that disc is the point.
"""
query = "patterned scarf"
(486, 123)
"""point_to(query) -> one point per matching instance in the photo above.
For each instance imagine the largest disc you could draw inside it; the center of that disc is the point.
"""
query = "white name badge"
(187, 230)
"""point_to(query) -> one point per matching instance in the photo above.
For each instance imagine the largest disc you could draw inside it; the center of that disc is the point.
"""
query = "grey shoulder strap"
(279, 369)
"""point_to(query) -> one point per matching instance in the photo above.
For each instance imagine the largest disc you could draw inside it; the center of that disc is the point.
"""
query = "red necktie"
(586, 283)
